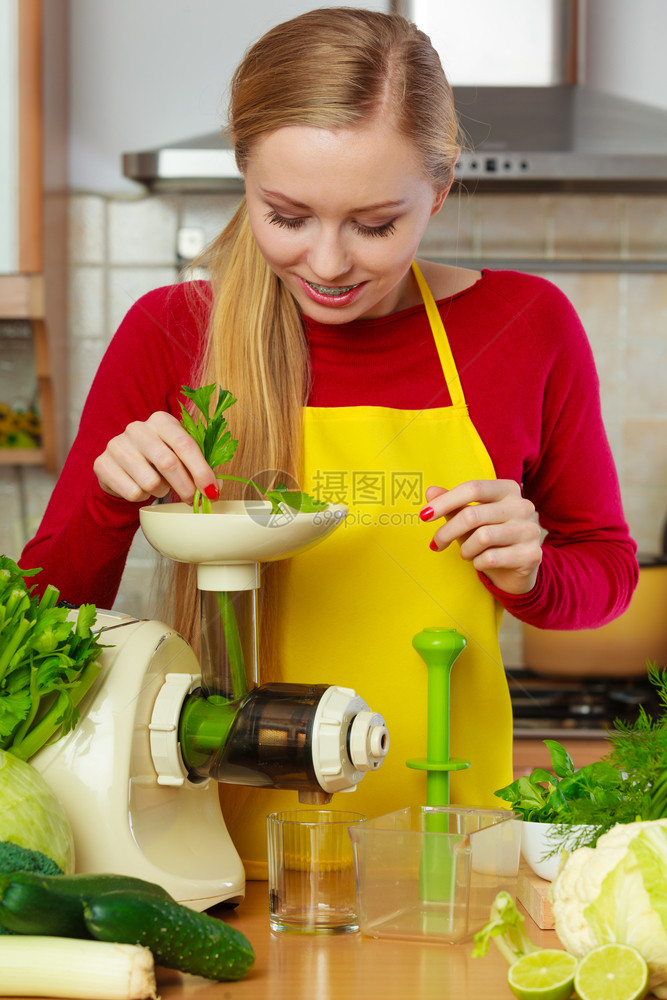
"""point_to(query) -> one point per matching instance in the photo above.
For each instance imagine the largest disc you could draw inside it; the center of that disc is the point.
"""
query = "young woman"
(445, 406)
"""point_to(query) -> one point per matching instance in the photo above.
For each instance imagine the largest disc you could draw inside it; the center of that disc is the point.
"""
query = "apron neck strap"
(441, 342)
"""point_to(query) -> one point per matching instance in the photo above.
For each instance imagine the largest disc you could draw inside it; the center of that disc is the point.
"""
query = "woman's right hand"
(152, 457)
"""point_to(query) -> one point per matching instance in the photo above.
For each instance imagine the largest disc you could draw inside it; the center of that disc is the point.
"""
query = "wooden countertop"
(347, 967)
(342, 967)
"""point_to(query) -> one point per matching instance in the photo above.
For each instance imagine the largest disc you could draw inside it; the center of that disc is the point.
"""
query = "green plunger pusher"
(439, 648)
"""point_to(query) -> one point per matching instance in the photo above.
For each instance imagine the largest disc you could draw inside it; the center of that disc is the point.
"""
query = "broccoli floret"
(14, 858)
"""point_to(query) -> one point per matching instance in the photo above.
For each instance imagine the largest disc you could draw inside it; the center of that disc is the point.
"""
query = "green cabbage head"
(617, 891)
(31, 815)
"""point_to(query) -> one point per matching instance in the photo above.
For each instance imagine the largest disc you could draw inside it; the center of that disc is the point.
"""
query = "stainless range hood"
(558, 137)
(205, 163)
(520, 70)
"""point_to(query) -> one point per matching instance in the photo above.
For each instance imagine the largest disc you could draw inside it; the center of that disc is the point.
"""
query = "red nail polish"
(433, 546)
(212, 491)
(426, 514)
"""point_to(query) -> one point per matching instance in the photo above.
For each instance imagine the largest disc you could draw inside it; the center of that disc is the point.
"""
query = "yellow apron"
(352, 605)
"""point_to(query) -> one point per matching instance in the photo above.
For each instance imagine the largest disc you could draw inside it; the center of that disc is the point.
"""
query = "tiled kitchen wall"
(607, 252)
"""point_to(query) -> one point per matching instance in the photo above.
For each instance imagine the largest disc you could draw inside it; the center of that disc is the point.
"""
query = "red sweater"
(532, 391)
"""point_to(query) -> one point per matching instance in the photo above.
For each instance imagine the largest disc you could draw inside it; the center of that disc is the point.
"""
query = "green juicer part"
(439, 648)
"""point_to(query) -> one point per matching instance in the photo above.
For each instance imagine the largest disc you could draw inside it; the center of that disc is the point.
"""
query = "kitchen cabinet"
(33, 203)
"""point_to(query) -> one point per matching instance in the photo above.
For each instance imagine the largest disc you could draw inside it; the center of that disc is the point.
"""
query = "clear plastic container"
(433, 872)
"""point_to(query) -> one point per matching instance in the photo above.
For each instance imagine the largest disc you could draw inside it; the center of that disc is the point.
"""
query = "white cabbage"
(31, 815)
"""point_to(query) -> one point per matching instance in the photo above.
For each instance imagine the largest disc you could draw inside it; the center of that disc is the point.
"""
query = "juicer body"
(135, 806)
(124, 819)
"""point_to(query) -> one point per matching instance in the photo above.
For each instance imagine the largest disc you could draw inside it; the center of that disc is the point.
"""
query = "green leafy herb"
(628, 784)
(47, 662)
(639, 751)
(546, 797)
(209, 430)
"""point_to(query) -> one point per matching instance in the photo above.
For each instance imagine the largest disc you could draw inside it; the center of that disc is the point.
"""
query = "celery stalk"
(234, 648)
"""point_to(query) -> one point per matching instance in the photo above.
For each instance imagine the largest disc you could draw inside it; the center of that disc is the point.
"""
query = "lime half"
(547, 974)
(612, 972)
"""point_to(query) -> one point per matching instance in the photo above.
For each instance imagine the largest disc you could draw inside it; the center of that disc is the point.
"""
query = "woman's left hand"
(496, 529)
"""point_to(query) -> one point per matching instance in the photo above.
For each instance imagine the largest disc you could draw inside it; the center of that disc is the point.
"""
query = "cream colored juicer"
(138, 776)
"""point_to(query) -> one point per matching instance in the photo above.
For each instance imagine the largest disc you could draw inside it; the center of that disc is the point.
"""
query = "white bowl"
(539, 843)
(236, 531)
(228, 544)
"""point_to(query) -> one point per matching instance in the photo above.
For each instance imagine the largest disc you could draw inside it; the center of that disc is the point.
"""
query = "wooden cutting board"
(532, 892)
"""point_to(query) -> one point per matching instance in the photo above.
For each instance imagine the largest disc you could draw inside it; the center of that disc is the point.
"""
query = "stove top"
(582, 707)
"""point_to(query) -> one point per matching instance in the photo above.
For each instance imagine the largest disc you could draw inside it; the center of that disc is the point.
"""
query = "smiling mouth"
(331, 289)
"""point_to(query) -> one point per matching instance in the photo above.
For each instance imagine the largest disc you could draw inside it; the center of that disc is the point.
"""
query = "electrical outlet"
(189, 243)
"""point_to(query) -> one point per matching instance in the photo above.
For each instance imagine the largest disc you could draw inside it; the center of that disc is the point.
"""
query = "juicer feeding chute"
(139, 774)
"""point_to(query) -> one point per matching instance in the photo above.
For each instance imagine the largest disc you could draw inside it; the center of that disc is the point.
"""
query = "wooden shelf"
(21, 456)
(21, 296)
(36, 291)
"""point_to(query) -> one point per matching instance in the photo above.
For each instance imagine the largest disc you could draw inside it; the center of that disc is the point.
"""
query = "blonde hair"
(329, 68)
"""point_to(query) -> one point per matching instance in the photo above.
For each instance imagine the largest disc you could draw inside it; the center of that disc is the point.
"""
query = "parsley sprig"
(209, 430)
(47, 662)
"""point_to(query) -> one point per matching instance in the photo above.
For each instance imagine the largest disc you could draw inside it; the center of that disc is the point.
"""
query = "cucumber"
(179, 937)
(52, 905)
(128, 911)
(30, 908)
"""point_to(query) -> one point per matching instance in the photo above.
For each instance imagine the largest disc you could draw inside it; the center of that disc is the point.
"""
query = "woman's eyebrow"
(363, 208)
(283, 197)
(398, 203)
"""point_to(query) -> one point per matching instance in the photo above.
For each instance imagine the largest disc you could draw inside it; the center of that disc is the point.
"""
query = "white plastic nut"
(369, 741)
(163, 728)
(338, 770)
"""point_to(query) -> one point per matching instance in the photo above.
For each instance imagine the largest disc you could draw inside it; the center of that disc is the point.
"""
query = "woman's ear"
(440, 196)
(439, 199)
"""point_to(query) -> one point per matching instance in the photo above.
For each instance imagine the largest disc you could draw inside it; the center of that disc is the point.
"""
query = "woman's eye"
(286, 223)
(385, 230)
(280, 220)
